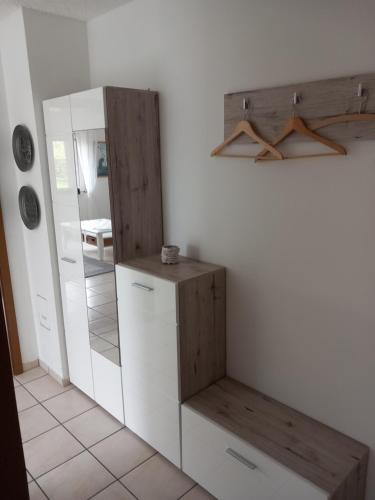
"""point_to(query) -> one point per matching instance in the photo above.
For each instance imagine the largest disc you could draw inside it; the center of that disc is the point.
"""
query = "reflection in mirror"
(97, 241)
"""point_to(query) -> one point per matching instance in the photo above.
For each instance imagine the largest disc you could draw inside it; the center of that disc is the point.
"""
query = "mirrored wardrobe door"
(90, 151)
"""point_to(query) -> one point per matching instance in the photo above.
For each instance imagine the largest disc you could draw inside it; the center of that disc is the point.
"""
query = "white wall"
(14, 234)
(41, 56)
(297, 238)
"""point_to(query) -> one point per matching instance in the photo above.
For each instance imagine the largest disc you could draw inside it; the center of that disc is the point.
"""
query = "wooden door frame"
(8, 304)
(12, 463)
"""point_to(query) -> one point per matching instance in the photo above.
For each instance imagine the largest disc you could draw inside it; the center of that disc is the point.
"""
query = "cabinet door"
(57, 118)
(107, 385)
(149, 359)
(62, 167)
(73, 292)
(88, 110)
(69, 236)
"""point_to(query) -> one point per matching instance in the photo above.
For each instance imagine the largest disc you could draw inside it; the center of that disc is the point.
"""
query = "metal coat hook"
(295, 101)
(245, 107)
(360, 95)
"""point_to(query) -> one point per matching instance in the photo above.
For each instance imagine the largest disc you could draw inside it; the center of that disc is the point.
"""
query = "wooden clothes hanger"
(296, 124)
(245, 127)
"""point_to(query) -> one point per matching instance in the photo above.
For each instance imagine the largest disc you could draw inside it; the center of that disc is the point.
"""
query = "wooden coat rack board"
(269, 109)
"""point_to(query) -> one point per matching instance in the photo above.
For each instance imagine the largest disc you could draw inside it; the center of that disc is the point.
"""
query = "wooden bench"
(242, 445)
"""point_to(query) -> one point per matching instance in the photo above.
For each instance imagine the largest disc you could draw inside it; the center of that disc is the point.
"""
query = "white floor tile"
(121, 452)
(78, 479)
(45, 387)
(69, 404)
(52, 448)
(35, 421)
(30, 375)
(24, 399)
(157, 479)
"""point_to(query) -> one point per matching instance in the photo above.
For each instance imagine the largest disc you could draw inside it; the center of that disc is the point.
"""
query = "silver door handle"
(240, 458)
(143, 287)
(66, 259)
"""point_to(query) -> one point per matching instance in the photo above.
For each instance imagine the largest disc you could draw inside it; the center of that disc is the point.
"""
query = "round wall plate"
(29, 207)
(23, 148)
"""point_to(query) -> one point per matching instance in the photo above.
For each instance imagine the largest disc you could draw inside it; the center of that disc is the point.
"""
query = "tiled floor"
(102, 314)
(74, 450)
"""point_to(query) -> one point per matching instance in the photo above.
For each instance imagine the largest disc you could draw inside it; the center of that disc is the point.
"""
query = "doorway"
(7, 304)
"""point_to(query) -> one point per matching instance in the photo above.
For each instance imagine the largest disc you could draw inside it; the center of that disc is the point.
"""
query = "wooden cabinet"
(243, 445)
(158, 306)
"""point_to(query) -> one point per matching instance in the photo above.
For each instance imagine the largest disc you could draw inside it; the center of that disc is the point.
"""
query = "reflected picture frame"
(101, 155)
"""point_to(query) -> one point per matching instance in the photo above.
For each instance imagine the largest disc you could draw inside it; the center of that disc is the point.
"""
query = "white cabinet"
(88, 110)
(149, 347)
(230, 468)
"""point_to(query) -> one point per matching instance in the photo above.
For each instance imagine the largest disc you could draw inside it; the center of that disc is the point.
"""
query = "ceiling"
(78, 9)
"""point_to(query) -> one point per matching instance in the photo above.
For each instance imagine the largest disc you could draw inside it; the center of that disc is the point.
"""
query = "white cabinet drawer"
(231, 469)
(146, 293)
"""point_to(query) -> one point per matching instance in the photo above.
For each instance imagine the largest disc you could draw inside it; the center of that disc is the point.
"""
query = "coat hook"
(361, 96)
(296, 98)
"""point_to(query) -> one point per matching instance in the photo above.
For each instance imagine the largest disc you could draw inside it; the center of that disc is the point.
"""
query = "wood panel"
(202, 332)
(186, 269)
(12, 463)
(8, 304)
(133, 139)
(270, 108)
(334, 462)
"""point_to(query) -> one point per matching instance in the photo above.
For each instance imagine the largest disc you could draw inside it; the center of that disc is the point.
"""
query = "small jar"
(169, 254)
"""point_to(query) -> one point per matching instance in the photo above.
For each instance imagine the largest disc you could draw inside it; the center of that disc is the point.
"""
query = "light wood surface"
(8, 304)
(245, 127)
(296, 124)
(186, 269)
(271, 107)
(332, 461)
(202, 319)
(133, 139)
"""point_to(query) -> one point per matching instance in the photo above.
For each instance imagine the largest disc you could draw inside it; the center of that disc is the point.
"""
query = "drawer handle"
(240, 458)
(66, 259)
(143, 287)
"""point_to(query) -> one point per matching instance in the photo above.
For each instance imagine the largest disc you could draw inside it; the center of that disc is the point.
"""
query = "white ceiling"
(78, 9)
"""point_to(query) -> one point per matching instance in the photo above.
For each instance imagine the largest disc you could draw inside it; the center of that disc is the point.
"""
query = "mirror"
(90, 151)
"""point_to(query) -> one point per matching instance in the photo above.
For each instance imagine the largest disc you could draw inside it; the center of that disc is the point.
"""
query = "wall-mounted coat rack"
(341, 109)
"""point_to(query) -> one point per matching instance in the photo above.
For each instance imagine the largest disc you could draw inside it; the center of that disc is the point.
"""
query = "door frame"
(8, 304)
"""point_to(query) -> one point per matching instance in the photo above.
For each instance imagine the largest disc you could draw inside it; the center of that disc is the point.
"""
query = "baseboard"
(62, 381)
(30, 365)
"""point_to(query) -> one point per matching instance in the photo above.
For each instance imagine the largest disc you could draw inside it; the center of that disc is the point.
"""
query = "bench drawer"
(231, 469)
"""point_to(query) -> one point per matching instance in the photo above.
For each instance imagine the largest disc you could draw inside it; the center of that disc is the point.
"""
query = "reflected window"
(61, 165)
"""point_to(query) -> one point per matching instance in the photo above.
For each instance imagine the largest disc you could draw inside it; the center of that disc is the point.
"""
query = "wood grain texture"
(8, 304)
(202, 332)
(133, 139)
(270, 108)
(332, 461)
(186, 269)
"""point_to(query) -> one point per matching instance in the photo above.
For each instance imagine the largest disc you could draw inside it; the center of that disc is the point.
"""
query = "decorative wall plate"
(23, 148)
(29, 207)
